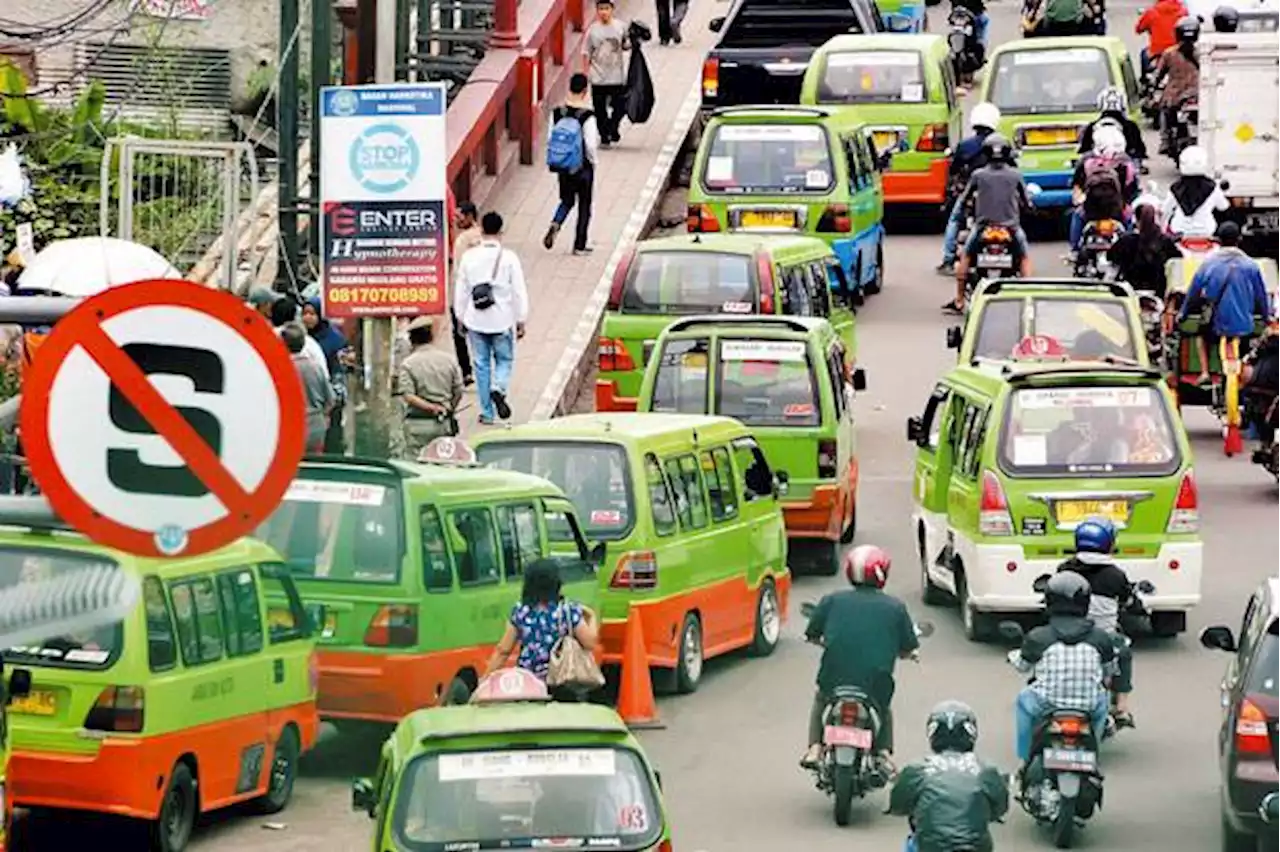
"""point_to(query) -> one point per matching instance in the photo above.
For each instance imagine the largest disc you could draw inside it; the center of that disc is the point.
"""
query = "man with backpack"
(1104, 183)
(1053, 18)
(572, 147)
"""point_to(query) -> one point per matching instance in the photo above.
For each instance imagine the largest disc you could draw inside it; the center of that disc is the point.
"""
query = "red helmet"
(867, 565)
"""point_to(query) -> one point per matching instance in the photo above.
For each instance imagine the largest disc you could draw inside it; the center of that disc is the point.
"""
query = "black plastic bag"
(640, 95)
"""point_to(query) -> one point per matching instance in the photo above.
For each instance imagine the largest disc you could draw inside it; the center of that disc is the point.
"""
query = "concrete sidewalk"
(567, 293)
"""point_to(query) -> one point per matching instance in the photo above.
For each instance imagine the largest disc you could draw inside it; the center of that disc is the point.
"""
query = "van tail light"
(827, 459)
(393, 626)
(620, 273)
(1252, 737)
(1185, 517)
(934, 138)
(701, 219)
(637, 571)
(765, 282)
(993, 512)
(835, 219)
(119, 708)
(613, 355)
(849, 713)
(711, 77)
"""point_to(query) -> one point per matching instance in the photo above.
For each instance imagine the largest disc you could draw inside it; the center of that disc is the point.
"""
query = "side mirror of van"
(19, 684)
(598, 555)
(884, 160)
(954, 335)
(781, 483)
(915, 430)
(1218, 638)
(362, 796)
(859, 379)
(716, 24)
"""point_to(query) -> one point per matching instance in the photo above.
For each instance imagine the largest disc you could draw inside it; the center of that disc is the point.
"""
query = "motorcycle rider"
(1105, 181)
(1180, 65)
(952, 796)
(1194, 197)
(1260, 381)
(1226, 19)
(1110, 592)
(981, 21)
(1069, 659)
(1111, 108)
(1000, 196)
(968, 157)
(1158, 23)
(863, 632)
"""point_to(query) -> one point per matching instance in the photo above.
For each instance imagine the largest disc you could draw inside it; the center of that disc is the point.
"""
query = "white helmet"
(1193, 162)
(1108, 140)
(984, 115)
(1111, 99)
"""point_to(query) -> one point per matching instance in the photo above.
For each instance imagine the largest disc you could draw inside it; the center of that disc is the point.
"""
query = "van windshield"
(1089, 431)
(773, 158)
(1057, 80)
(328, 529)
(90, 649)
(594, 476)
(690, 282)
(1089, 329)
(767, 383)
(872, 76)
(580, 798)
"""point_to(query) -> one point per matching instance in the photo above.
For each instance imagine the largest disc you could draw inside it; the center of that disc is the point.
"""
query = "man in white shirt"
(576, 187)
(284, 310)
(490, 299)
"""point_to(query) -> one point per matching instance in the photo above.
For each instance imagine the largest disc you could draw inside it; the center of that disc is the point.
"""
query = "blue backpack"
(566, 149)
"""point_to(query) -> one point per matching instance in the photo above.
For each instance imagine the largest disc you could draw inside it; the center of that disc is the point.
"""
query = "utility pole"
(287, 134)
(321, 37)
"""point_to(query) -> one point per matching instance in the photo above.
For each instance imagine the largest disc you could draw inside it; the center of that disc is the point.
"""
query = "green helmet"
(952, 726)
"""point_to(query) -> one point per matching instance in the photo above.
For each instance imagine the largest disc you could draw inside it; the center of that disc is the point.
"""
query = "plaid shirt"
(1069, 677)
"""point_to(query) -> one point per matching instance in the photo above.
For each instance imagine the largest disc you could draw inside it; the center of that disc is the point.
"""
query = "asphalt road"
(729, 753)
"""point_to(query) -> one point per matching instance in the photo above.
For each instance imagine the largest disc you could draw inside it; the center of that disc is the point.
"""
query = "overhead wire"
(42, 30)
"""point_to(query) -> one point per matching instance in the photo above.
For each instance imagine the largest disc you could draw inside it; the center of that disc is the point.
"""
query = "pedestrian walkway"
(566, 293)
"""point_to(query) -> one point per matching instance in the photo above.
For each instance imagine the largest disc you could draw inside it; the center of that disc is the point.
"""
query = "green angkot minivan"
(1011, 458)
(660, 280)
(790, 380)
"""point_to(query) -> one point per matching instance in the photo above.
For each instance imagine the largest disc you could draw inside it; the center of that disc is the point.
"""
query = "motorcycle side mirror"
(954, 337)
(924, 629)
(1146, 587)
(1041, 583)
(1218, 638)
(1010, 630)
(915, 429)
(859, 379)
(807, 608)
(716, 24)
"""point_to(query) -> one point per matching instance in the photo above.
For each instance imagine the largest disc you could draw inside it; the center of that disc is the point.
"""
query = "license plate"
(885, 140)
(1070, 759)
(38, 702)
(1051, 136)
(1098, 243)
(769, 219)
(839, 735)
(995, 261)
(1075, 511)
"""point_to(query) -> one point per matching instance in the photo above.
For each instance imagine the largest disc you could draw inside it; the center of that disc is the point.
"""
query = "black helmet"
(1067, 594)
(952, 726)
(1226, 19)
(1187, 29)
(997, 148)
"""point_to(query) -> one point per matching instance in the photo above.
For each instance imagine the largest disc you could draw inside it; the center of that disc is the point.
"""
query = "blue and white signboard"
(383, 187)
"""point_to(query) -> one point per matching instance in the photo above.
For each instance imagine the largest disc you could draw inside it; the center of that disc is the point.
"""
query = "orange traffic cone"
(635, 691)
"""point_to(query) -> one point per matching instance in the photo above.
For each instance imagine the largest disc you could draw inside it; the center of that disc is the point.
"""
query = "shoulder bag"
(571, 664)
(482, 293)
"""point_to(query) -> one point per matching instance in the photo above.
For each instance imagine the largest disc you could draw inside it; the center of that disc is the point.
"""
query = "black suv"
(1247, 739)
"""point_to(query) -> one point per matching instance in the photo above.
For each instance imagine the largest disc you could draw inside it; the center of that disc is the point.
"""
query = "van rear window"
(1050, 81)
(873, 76)
(768, 158)
(1089, 329)
(91, 649)
(1088, 431)
(596, 477)
(690, 282)
(767, 383)
(329, 529)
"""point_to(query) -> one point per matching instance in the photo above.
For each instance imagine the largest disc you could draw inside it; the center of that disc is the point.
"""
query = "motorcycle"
(848, 768)
(967, 53)
(1185, 129)
(997, 256)
(1098, 239)
(1262, 415)
(1150, 93)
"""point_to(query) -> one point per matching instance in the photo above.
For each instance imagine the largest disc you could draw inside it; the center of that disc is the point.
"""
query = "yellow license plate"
(885, 140)
(694, 360)
(770, 219)
(35, 703)
(1051, 136)
(1075, 511)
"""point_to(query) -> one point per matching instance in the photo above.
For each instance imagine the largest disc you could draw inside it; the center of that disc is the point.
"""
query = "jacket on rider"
(1134, 145)
(951, 798)
(1108, 584)
(864, 632)
(1231, 282)
(969, 155)
(1096, 208)
(1189, 209)
(1159, 22)
(1069, 658)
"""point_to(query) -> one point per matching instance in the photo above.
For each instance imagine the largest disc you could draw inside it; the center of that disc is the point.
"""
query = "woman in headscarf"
(336, 351)
(1140, 255)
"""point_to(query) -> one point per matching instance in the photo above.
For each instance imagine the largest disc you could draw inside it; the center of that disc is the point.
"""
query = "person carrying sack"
(573, 145)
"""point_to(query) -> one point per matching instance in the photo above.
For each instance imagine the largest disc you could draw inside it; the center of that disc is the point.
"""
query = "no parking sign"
(163, 418)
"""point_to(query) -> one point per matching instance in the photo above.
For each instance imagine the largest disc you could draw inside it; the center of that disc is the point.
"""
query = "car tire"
(827, 558)
(282, 773)
(877, 281)
(1167, 625)
(977, 625)
(171, 831)
(930, 593)
(689, 659)
(768, 620)
(1237, 841)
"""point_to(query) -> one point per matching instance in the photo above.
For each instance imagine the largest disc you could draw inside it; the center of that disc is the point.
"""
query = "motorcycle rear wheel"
(1064, 826)
(845, 782)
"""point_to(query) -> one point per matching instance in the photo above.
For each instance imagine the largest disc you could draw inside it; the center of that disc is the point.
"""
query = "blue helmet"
(1096, 535)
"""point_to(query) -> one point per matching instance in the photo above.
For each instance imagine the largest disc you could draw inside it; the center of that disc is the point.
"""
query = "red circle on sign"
(82, 328)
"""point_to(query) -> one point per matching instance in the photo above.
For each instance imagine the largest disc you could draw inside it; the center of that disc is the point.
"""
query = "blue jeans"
(1019, 237)
(493, 355)
(949, 236)
(1029, 708)
(982, 29)
(910, 845)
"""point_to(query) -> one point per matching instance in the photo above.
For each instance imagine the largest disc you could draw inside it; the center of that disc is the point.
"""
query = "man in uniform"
(429, 383)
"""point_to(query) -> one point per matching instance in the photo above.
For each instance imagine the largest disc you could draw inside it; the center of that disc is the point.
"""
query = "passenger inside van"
(473, 546)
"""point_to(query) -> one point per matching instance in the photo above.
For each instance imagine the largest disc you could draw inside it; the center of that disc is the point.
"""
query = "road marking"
(549, 404)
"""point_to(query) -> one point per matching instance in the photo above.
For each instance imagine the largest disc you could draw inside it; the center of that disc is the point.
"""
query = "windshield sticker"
(719, 169)
(913, 92)
(758, 369)
(736, 308)
(87, 655)
(770, 133)
(887, 57)
(1030, 451)
(1098, 320)
(786, 351)
(816, 178)
(1056, 57)
(633, 819)
(545, 763)
(798, 409)
(606, 518)
(1029, 400)
(344, 493)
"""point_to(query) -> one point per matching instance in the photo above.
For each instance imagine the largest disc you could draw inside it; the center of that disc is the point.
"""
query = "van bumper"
(927, 187)
(607, 398)
(362, 686)
(822, 515)
(994, 588)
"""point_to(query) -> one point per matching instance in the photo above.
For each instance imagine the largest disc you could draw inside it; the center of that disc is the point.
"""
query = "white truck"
(1240, 128)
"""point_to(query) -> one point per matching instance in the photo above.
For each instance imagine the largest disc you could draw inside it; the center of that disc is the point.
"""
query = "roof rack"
(31, 511)
(1023, 372)
(993, 286)
(384, 465)
(794, 109)
(790, 323)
